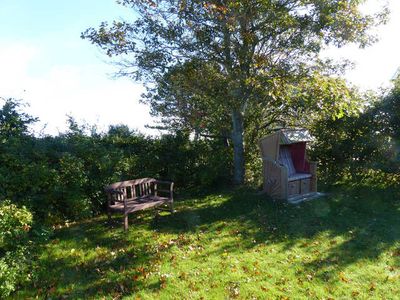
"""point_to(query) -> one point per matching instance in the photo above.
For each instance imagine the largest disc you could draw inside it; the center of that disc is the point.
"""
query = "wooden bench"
(134, 195)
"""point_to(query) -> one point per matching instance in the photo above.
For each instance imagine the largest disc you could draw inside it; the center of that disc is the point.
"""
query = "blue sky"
(44, 62)
(55, 26)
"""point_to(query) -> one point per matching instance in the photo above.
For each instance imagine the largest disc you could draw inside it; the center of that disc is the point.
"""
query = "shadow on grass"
(105, 260)
(367, 218)
(91, 259)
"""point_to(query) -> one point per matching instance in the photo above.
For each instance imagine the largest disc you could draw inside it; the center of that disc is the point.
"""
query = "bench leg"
(171, 206)
(109, 212)
(125, 222)
(109, 216)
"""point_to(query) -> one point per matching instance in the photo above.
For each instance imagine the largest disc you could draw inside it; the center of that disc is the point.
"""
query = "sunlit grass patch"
(231, 245)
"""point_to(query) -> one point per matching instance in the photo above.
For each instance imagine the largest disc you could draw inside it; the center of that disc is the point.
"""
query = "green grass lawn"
(231, 245)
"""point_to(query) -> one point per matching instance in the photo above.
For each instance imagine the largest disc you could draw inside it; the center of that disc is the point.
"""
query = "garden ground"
(231, 245)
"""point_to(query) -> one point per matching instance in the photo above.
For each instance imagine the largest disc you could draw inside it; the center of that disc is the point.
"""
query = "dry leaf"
(355, 293)
(343, 277)
(372, 286)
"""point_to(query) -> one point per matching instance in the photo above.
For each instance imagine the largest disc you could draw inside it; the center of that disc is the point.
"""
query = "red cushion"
(298, 152)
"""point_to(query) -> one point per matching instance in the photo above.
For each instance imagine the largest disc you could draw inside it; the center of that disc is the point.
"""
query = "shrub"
(14, 270)
(354, 146)
(62, 178)
(15, 224)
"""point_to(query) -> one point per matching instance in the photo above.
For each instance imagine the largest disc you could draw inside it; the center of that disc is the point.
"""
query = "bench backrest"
(132, 189)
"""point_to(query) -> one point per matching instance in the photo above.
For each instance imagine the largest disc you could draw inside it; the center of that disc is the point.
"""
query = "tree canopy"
(12, 121)
(217, 66)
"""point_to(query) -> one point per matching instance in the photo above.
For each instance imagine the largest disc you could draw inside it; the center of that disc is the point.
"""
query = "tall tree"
(250, 45)
(13, 122)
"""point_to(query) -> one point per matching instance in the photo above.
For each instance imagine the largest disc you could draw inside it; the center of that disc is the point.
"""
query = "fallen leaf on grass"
(343, 277)
(183, 275)
(263, 288)
(355, 293)
(372, 286)
(143, 272)
(193, 287)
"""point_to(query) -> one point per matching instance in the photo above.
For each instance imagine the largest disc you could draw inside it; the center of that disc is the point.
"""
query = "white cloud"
(14, 61)
(85, 92)
(377, 64)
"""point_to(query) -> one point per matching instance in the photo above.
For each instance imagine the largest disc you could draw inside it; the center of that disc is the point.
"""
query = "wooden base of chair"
(306, 197)
(287, 172)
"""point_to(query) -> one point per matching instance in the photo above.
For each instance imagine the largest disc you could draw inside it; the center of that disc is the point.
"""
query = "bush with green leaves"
(15, 269)
(62, 178)
(15, 224)
(363, 146)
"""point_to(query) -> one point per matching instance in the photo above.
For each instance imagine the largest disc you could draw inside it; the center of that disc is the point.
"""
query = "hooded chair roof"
(269, 145)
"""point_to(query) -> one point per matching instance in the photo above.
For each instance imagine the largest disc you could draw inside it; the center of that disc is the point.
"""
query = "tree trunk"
(238, 148)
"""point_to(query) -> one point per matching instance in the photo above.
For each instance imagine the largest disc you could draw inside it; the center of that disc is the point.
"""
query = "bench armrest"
(170, 190)
(163, 182)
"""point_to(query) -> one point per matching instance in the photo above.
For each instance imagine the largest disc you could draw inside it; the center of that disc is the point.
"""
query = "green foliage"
(243, 37)
(69, 190)
(14, 270)
(62, 178)
(12, 121)
(193, 97)
(389, 113)
(364, 145)
(215, 65)
(15, 224)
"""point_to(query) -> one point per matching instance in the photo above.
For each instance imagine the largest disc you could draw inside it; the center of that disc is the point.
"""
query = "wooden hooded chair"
(287, 172)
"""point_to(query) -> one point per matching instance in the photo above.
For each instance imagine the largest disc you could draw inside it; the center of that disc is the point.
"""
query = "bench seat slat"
(136, 206)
